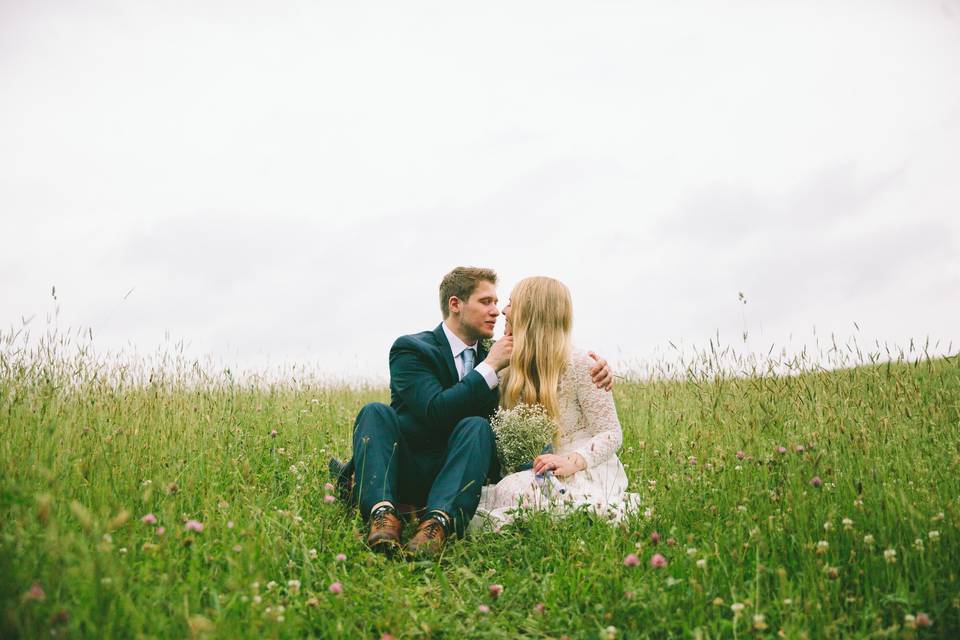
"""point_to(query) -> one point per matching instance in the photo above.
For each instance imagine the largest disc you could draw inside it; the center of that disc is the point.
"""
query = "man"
(433, 444)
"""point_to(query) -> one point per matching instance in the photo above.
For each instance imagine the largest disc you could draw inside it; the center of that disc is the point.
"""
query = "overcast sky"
(277, 182)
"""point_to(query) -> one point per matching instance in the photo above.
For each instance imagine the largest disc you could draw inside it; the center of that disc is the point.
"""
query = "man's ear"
(453, 304)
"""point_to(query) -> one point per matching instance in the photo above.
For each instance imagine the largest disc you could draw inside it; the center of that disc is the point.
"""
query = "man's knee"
(475, 428)
(377, 417)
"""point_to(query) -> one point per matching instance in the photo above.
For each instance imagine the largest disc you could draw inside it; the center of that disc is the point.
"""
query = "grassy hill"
(838, 518)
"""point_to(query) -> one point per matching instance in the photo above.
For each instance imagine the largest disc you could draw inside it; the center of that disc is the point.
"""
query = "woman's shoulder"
(578, 362)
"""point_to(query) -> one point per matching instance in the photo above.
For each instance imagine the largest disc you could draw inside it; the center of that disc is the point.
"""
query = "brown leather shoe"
(429, 539)
(385, 528)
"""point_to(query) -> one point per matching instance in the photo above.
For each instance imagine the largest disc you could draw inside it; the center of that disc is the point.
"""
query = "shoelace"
(379, 516)
(433, 529)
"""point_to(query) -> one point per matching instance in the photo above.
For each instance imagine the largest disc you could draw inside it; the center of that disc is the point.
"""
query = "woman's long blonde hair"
(541, 317)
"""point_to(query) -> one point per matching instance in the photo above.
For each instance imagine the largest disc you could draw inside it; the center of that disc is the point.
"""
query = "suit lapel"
(446, 353)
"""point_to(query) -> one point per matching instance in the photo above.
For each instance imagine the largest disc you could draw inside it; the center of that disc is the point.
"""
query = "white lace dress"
(588, 425)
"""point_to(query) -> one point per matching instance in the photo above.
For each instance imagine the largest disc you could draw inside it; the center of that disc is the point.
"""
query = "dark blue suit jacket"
(426, 393)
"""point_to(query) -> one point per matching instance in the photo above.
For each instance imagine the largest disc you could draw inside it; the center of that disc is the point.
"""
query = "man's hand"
(500, 352)
(601, 373)
(560, 465)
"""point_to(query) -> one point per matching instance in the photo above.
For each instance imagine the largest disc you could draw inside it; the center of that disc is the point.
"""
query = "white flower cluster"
(521, 434)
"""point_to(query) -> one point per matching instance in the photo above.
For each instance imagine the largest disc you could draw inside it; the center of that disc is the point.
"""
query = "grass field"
(839, 517)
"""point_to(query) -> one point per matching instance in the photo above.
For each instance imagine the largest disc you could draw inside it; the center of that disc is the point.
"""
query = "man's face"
(478, 315)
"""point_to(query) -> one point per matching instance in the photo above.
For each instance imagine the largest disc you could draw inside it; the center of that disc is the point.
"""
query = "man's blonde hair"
(462, 282)
(541, 318)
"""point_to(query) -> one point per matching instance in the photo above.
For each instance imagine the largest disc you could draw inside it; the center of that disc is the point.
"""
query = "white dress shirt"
(457, 346)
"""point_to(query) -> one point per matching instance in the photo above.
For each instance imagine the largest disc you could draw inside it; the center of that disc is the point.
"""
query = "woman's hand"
(560, 465)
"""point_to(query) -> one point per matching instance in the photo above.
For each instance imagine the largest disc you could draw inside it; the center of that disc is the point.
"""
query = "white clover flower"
(890, 555)
(933, 535)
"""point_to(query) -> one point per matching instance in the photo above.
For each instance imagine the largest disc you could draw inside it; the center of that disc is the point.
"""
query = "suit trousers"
(448, 478)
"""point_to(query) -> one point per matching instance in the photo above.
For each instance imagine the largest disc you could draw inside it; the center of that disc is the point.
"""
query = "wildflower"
(654, 537)
(539, 608)
(759, 622)
(271, 585)
(918, 544)
(172, 488)
(496, 590)
(312, 553)
(648, 513)
(815, 482)
(890, 555)
(858, 503)
(194, 525)
(933, 535)
(123, 551)
(868, 540)
(328, 498)
(718, 601)
(833, 573)
(161, 530)
(149, 519)
(35, 593)
(631, 560)
(822, 547)
(692, 461)
(736, 607)
(781, 449)
(702, 563)
(658, 561)
(738, 468)
(483, 609)
(313, 601)
(257, 599)
(827, 526)
(336, 588)
(341, 557)
(237, 548)
(328, 487)
(938, 517)
(847, 524)
(671, 542)
(610, 633)
(273, 433)
(923, 620)
(60, 617)
(691, 551)
(740, 455)
(229, 524)
(293, 586)
(799, 448)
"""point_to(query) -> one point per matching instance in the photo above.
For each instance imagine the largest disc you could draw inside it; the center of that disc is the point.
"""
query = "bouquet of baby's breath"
(521, 433)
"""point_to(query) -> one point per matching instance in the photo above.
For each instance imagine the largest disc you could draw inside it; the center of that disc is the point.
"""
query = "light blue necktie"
(468, 357)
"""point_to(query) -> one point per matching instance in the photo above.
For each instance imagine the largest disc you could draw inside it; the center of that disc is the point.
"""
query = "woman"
(544, 369)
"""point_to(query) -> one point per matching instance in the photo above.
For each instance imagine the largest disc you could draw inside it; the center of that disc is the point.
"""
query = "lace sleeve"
(599, 414)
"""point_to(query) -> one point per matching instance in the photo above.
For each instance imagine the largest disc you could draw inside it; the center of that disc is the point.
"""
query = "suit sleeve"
(438, 409)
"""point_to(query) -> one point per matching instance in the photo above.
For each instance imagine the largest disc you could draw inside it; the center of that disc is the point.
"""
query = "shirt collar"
(457, 345)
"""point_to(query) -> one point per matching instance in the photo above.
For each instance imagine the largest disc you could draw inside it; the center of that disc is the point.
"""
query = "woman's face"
(507, 329)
